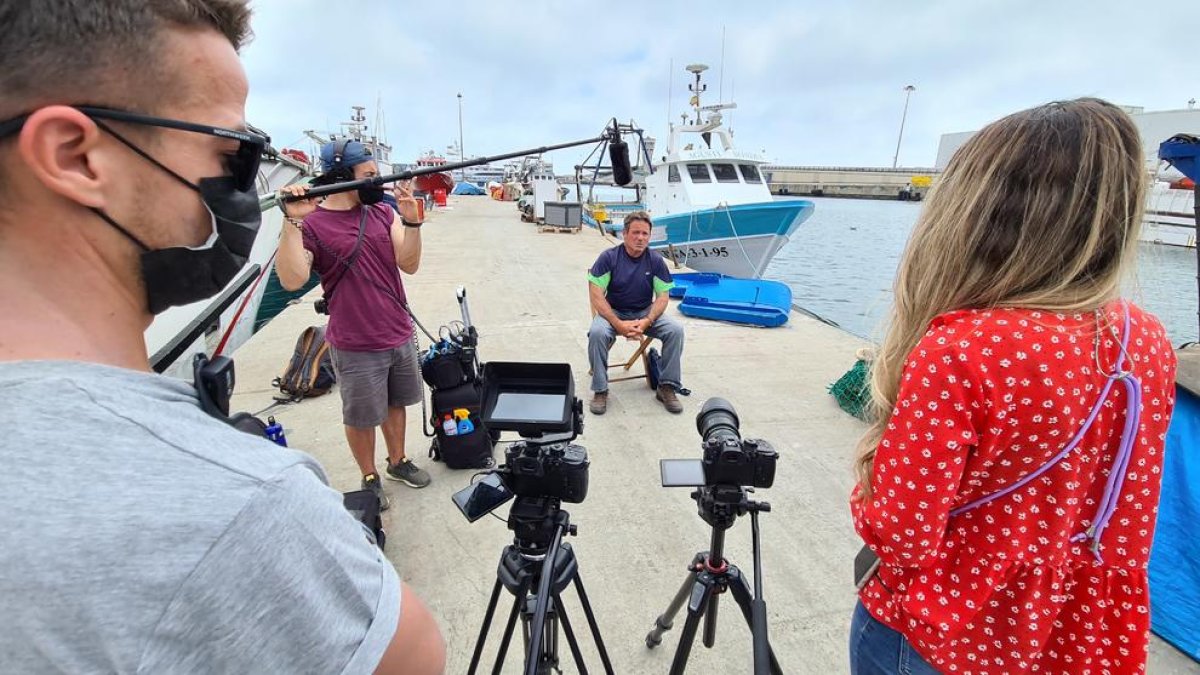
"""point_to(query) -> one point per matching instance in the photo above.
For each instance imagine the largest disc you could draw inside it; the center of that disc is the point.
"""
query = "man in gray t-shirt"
(140, 535)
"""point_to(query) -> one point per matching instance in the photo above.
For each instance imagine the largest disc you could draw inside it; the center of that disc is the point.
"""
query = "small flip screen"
(681, 472)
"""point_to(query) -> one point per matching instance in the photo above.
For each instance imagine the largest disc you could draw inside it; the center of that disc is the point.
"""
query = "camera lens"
(717, 420)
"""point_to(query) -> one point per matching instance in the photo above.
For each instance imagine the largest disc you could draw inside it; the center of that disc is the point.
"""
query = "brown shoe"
(670, 401)
(599, 403)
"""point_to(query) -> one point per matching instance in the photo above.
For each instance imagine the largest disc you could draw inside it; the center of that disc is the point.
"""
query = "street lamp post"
(908, 90)
(462, 154)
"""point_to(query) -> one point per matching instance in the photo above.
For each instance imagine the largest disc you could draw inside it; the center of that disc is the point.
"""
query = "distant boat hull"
(432, 182)
(1169, 231)
(738, 240)
(1170, 217)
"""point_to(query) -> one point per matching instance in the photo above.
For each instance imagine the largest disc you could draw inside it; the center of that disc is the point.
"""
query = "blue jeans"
(601, 337)
(876, 649)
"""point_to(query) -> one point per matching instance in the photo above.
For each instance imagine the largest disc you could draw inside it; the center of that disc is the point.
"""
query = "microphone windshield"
(618, 154)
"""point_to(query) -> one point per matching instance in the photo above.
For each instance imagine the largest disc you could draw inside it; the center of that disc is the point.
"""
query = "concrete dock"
(529, 301)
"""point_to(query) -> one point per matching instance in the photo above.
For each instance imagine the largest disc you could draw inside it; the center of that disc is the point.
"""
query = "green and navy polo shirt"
(630, 284)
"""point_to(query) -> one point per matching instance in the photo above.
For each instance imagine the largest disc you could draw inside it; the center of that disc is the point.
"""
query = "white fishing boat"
(1170, 215)
(710, 203)
(476, 175)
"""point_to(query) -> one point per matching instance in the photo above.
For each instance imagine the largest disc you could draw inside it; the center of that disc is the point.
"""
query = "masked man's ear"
(64, 151)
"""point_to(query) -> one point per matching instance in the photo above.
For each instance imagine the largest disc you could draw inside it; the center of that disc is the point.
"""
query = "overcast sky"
(816, 83)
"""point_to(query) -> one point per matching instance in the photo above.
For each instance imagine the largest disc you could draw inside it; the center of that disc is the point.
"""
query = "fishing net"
(853, 390)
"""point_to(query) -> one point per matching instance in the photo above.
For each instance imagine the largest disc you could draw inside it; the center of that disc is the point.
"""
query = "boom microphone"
(618, 155)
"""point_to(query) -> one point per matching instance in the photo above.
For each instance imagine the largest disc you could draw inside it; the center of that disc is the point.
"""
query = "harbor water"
(841, 263)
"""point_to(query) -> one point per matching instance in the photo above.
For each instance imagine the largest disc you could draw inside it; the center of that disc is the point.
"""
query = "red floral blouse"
(988, 397)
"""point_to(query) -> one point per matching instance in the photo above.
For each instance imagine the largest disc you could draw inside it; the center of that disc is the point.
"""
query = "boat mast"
(697, 88)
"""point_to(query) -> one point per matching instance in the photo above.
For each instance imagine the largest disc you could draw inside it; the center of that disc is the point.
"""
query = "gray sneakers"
(371, 482)
(408, 473)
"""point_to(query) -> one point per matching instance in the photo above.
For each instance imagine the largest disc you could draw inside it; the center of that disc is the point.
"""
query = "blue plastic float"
(755, 302)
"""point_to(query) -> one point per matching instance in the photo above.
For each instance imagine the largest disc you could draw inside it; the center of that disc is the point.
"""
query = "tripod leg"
(710, 618)
(483, 628)
(667, 619)
(571, 641)
(591, 619)
(741, 593)
(548, 658)
(508, 629)
(701, 595)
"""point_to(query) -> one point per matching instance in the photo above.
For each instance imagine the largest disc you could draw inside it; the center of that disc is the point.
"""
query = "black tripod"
(537, 559)
(710, 575)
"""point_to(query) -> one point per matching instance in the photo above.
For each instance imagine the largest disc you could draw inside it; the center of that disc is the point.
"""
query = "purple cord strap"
(1116, 477)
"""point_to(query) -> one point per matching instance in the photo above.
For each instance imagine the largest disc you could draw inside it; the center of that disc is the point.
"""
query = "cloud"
(816, 83)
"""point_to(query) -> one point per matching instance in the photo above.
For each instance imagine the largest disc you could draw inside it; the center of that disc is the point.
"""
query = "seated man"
(628, 287)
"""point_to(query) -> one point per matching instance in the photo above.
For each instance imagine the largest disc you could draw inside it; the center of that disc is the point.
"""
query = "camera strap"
(348, 267)
(348, 263)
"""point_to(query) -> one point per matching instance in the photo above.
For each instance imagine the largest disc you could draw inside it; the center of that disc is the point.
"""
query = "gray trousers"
(602, 335)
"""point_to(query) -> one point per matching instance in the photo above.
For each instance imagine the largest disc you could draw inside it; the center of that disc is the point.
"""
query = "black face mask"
(371, 194)
(179, 275)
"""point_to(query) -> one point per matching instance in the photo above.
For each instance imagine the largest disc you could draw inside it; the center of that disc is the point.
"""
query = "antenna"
(732, 96)
(670, 79)
(379, 133)
(697, 88)
(721, 83)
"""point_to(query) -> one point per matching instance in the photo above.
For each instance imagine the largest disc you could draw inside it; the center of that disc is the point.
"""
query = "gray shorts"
(371, 382)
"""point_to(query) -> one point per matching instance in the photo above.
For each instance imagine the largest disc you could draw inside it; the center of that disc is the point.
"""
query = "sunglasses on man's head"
(242, 164)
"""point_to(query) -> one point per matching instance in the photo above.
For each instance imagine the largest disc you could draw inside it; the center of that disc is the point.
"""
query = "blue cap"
(353, 154)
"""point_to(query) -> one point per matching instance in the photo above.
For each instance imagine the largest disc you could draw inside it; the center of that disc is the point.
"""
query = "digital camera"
(728, 460)
(559, 471)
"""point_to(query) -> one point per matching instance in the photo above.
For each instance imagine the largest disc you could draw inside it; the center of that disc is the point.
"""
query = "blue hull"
(777, 218)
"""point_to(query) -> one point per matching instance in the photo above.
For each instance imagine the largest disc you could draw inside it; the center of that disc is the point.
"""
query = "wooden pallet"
(542, 227)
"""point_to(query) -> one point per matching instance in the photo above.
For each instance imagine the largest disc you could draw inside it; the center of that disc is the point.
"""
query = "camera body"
(728, 459)
(557, 470)
(736, 461)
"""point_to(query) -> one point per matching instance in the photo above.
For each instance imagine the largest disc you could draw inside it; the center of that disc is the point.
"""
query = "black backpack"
(309, 372)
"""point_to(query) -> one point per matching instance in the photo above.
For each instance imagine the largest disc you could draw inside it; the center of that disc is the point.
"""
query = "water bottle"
(449, 427)
(275, 432)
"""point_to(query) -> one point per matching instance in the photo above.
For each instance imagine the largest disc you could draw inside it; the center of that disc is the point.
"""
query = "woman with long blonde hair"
(1009, 481)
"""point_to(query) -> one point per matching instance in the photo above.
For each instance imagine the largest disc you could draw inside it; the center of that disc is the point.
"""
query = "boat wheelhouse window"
(725, 173)
(672, 173)
(750, 173)
(699, 173)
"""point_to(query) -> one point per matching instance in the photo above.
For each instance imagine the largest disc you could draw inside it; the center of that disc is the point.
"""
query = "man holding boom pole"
(358, 246)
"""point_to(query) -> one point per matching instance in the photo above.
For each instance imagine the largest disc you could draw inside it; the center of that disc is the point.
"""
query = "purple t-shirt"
(365, 314)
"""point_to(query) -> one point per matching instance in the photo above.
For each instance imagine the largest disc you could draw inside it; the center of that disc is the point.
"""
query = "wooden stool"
(627, 366)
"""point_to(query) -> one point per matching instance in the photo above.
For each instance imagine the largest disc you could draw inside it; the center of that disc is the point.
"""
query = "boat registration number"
(681, 253)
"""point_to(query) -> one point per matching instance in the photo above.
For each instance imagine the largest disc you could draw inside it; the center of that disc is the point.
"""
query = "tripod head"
(534, 521)
(720, 505)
